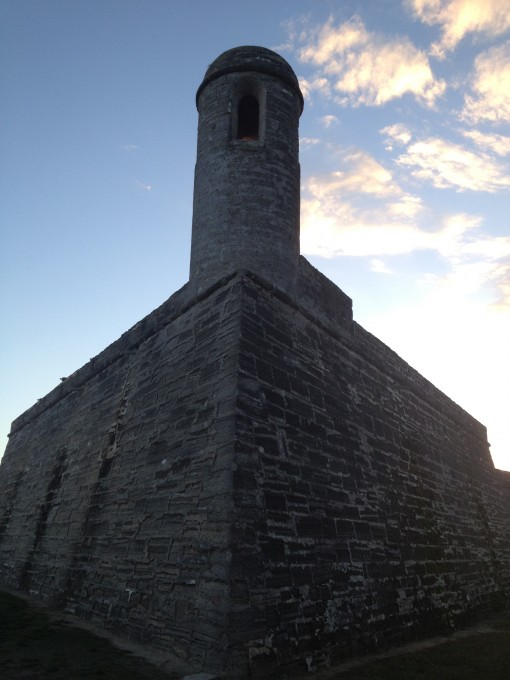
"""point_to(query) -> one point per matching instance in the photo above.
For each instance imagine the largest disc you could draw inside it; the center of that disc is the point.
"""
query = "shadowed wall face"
(368, 511)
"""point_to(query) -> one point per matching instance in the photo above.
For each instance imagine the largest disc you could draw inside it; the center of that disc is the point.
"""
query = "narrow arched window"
(248, 118)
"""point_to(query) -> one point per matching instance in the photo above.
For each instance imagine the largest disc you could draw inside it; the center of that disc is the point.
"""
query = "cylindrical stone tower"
(246, 197)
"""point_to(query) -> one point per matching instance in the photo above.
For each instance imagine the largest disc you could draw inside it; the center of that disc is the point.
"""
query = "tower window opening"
(248, 118)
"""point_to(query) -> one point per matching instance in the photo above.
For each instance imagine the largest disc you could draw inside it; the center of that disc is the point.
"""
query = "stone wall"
(116, 488)
(368, 511)
(254, 482)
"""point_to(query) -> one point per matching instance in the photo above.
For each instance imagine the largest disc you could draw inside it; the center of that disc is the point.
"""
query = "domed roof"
(251, 58)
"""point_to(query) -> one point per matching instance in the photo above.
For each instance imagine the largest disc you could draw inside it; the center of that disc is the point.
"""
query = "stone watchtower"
(246, 199)
(247, 478)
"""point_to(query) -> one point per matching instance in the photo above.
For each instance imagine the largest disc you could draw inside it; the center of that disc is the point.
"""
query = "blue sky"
(405, 147)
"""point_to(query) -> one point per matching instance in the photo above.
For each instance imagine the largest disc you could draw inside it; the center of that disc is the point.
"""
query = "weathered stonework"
(246, 198)
(368, 511)
(249, 479)
(117, 491)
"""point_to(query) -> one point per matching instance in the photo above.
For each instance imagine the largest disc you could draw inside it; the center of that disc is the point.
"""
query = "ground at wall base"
(480, 652)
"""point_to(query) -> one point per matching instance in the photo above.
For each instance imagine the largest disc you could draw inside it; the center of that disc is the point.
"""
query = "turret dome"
(251, 58)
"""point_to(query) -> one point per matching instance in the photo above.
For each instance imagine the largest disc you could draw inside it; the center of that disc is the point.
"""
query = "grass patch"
(32, 646)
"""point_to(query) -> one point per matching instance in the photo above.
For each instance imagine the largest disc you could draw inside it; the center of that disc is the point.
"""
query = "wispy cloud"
(379, 266)
(128, 148)
(143, 185)
(396, 134)
(338, 227)
(407, 207)
(356, 66)
(307, 142)
(363, 174)
(328, 120)
(458, 18)
(358, 211)
(449, 165)
(498, 144)
(335, 223)
(490, 100)
(317, 84)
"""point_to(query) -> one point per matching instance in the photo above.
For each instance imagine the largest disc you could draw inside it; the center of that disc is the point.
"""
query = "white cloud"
(318, 84)
(490, 100)
(364, 175)
(307, 142)
(396, 134)
(379, 266)
(372, 209)
(336, 219)
(498, 144)
(362, 67)
(449, 165)
(458, 18)
(455, 231)
(407, 207)
(332, 228)
(334, 223)
(468, 277)
(142, 185)
(327, 121)
(329, 42)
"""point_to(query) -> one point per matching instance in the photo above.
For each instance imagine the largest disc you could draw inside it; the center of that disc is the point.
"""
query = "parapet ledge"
(314, 296)
(504, 478)
(410, 380)
(322, 298)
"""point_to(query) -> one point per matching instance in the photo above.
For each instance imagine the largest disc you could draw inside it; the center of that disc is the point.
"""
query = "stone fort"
(247, 477)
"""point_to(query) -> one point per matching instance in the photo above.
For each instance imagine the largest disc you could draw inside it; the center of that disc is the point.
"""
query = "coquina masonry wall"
(368, 511)
(252, 481)
(116, 488)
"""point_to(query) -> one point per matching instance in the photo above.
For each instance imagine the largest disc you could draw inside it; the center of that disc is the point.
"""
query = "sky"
(405, 162)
